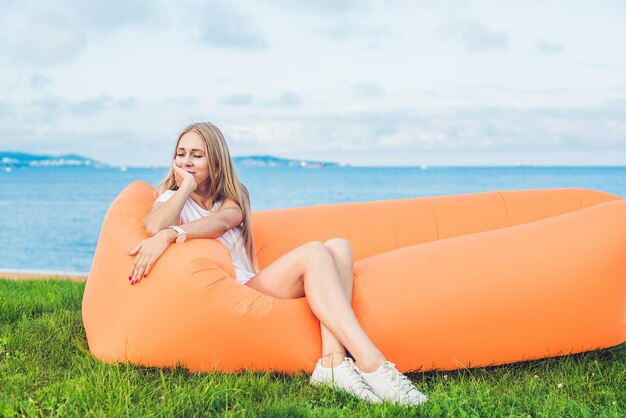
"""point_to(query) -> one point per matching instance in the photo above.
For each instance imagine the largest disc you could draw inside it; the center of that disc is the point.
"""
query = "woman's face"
(192, 157)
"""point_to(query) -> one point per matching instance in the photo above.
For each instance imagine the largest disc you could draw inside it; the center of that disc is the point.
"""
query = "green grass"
(46, 369)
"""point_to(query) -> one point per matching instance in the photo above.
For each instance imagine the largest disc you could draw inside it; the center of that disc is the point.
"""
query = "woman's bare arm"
(164, 214)
(227, 217)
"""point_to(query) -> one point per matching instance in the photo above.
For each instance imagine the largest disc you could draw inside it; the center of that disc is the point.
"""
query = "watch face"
(180, 231)
(181, 234)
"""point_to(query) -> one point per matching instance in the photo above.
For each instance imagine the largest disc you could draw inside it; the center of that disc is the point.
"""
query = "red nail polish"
(145, 275)
(130, 277)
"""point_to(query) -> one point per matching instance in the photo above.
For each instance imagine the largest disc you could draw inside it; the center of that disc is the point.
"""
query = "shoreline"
(42, 275)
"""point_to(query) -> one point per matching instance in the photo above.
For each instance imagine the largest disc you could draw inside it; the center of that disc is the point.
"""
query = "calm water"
(50, 218)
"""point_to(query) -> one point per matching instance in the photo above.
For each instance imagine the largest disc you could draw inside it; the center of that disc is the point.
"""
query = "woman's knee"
(339, 245)
(315, 251)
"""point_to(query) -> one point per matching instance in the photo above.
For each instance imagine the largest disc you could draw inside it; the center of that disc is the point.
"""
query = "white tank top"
(232, 239)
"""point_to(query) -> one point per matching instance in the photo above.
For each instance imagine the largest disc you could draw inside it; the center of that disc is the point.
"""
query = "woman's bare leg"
(310, 269)
(333, 352)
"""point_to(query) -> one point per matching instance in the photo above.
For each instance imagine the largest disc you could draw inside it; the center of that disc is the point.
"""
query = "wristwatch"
(181, 234)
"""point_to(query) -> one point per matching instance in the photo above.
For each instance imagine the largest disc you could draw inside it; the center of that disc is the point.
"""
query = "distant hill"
(269, 161)
(20, 159)
(10, 160)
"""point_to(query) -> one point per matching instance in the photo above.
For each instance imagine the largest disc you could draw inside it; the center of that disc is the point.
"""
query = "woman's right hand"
(182, 177)
(147, 252)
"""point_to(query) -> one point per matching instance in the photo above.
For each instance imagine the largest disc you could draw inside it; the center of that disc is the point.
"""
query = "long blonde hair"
(223, 181)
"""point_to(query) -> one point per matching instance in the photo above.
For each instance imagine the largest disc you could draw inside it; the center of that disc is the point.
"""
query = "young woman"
(201, 197)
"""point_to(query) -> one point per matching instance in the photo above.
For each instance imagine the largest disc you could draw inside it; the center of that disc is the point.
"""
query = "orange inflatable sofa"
(440, 282)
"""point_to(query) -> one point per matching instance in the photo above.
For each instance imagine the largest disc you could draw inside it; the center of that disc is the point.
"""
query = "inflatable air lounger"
(441, 282)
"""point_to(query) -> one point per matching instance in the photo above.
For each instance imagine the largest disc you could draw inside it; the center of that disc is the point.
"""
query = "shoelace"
(348, 366)
(398, 380)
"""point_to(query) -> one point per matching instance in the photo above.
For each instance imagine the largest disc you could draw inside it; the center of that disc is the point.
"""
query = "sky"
(366, 83)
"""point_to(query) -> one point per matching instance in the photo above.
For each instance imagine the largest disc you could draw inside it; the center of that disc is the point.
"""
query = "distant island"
(22, 159)
(269, 161)
(10, 160)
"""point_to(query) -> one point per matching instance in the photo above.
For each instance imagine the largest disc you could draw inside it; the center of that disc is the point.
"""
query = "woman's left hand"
(148, 252)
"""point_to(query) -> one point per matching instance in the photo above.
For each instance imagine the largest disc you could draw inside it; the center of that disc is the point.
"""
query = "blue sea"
(50, 218)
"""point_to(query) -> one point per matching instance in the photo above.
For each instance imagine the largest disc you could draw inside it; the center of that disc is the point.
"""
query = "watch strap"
(181, 234)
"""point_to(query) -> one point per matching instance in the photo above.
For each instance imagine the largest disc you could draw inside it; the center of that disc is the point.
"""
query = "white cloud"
(224, 25)
(544, 46)
(473, 36)
(397, 141)
(40, 33)
(39, 82)
(368, 89)
(238, 99)
(365, 82)
(263, 137)
(286, 99)
(332, 7)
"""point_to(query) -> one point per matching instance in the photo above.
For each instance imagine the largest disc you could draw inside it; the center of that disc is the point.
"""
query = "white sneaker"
(391, 385)
(344, 376)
